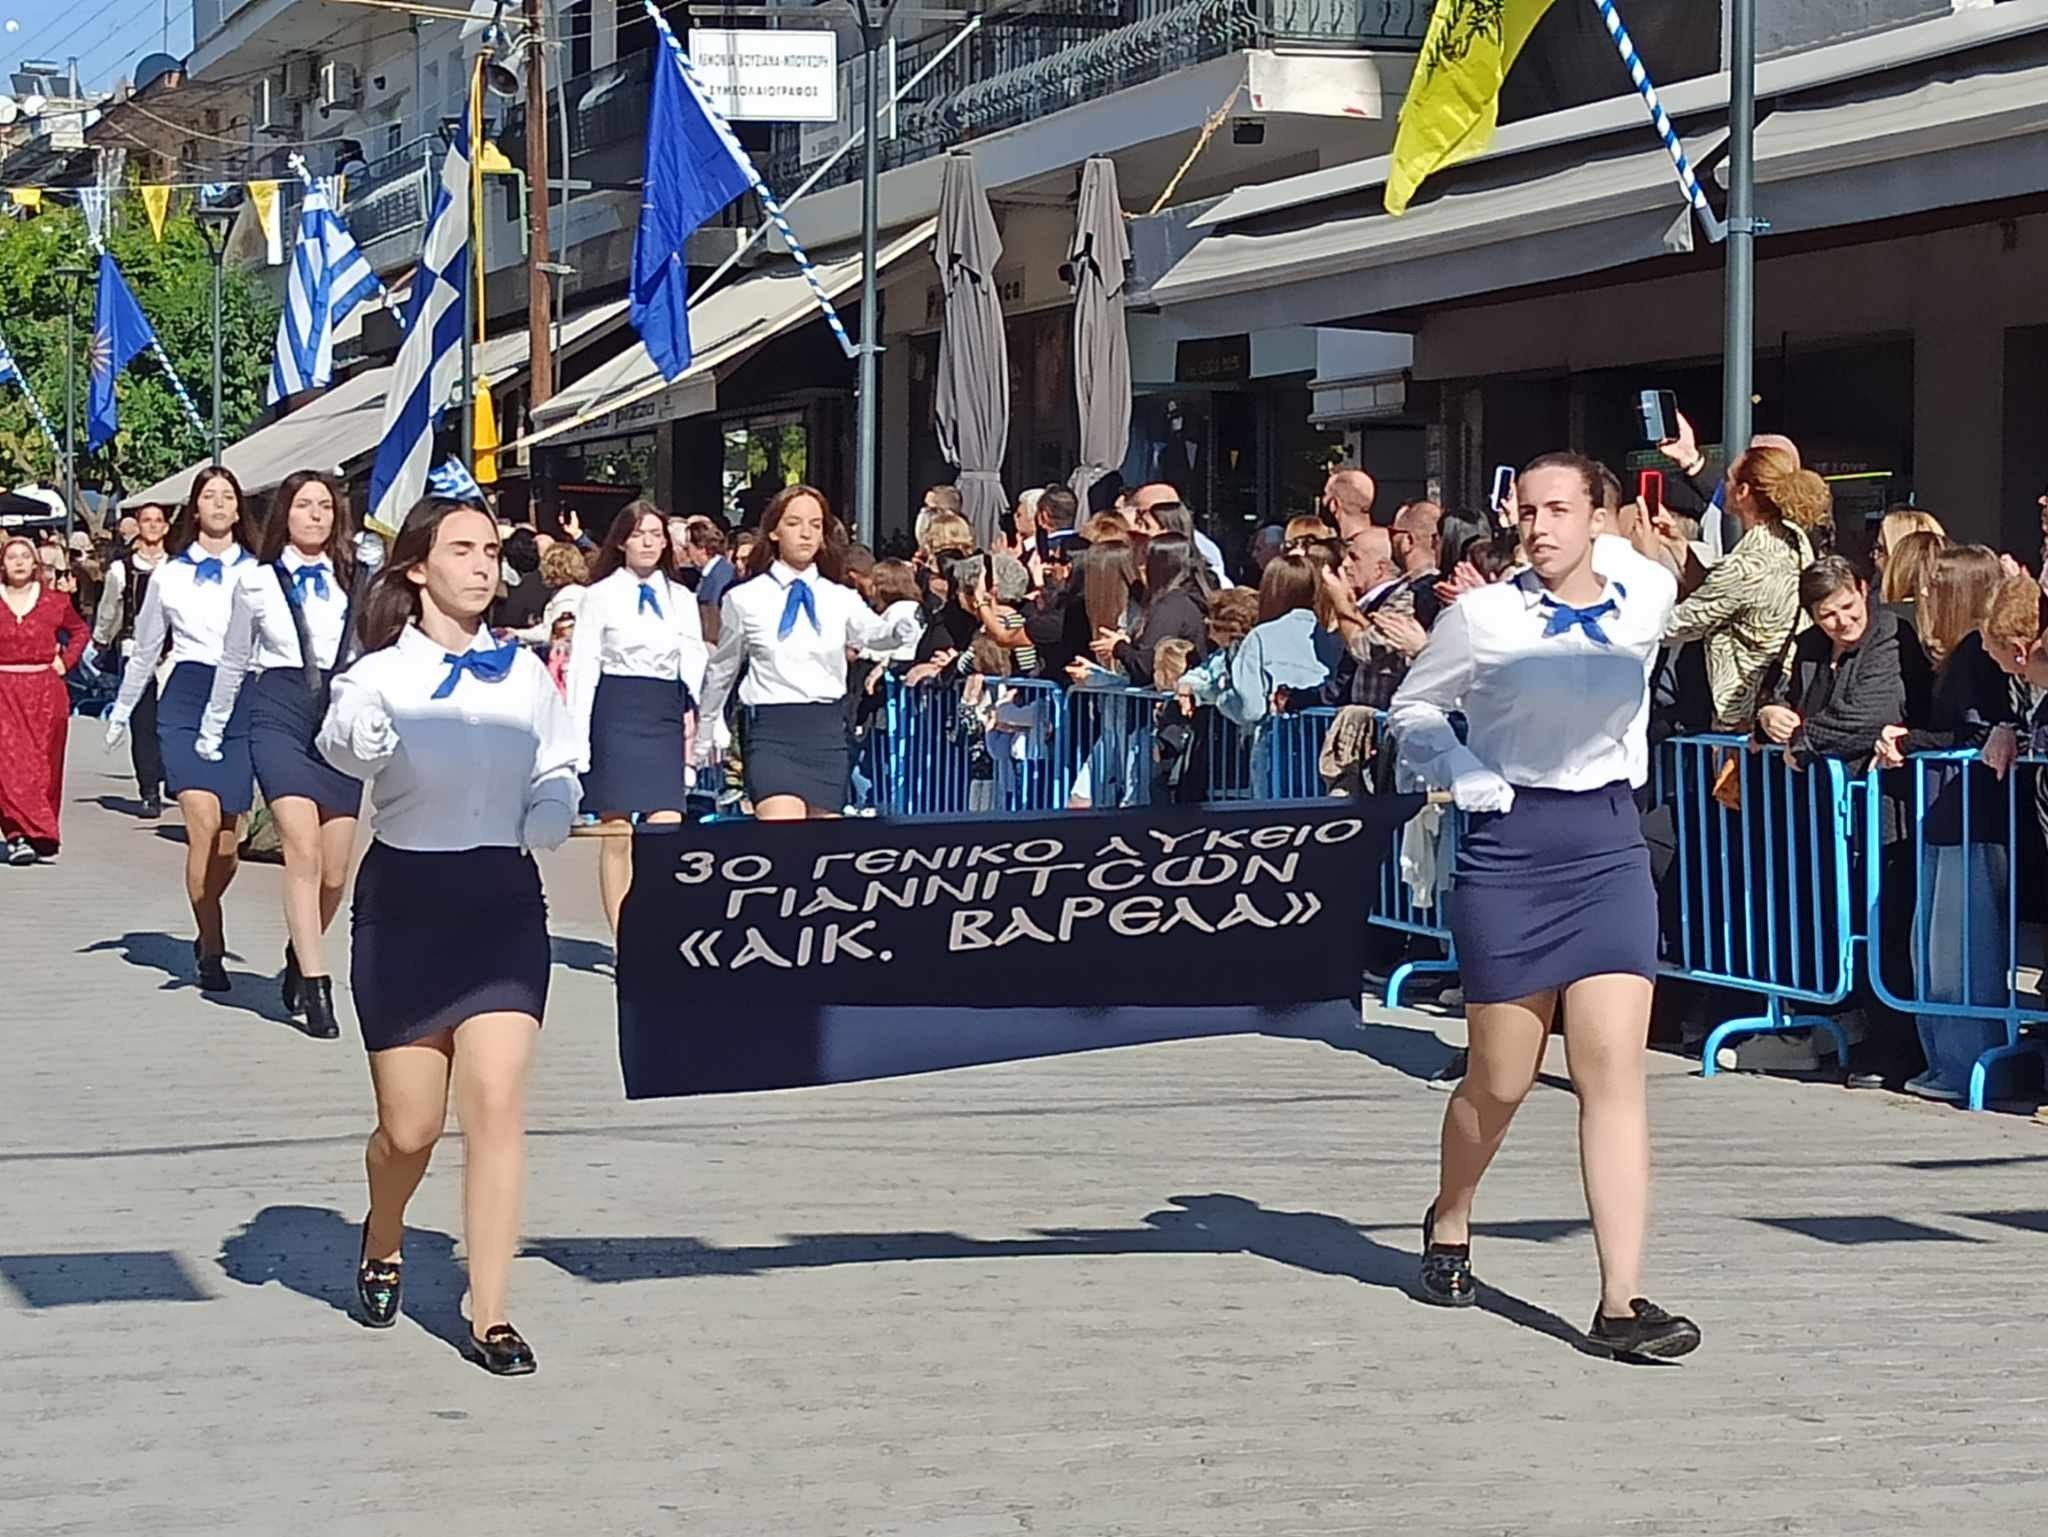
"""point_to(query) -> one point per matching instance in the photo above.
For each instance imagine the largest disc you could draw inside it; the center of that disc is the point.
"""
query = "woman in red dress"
(41, 639)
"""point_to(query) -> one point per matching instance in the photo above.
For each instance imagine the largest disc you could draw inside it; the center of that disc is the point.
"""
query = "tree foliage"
(173, 282)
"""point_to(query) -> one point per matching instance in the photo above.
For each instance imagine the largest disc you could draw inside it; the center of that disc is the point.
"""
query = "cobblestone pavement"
(1151, 1291)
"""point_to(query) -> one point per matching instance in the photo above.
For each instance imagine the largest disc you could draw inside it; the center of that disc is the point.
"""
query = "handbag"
(1727, 790)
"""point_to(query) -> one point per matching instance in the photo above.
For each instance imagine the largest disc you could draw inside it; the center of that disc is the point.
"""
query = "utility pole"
(1738, 340)
(539, 299)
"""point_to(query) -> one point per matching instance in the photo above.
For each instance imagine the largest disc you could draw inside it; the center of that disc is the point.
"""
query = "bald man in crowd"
(1347, 497)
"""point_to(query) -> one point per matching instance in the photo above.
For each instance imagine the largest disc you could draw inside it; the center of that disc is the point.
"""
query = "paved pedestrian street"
(1161, 1290)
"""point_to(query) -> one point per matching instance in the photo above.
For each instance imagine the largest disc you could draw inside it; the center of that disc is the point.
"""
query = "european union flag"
(119, 331)
(694, 168)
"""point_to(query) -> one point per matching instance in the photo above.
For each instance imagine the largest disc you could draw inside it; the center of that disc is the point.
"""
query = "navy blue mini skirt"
(440, 937)
(1556, 890)
(178, 711)
(636, 745)
(283, 720)
(800, 750)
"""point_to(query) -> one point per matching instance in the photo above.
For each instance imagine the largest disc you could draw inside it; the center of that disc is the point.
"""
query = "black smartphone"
(1503, 486)
(1657, 415)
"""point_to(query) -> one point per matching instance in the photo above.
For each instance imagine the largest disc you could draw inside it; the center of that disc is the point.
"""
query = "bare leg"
(1506, 1052)
(614, 867)
(493, 1053)
(204, 881)
(412, 1107)
(298, 825)
(337, 847)
(1607, 1027)
(781, 808)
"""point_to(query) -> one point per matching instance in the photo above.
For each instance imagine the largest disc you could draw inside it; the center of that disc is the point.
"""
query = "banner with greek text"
(776, 955)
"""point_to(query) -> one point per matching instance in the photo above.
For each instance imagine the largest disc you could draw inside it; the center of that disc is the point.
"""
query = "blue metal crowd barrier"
(1763, 887)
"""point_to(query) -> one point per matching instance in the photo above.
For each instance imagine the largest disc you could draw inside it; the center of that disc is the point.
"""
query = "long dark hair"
(276, 532)
(1106, 573)
(186, 528)
(831, 554)
(1173, 564)
(612, 553)
(1290, 582)
(394, 598)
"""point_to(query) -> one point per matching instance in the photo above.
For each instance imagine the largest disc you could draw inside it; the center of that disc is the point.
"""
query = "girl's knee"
(409, 1136)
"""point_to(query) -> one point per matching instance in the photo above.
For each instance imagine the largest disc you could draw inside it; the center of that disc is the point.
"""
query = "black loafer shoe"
(1647, 1334)
(1446, 1269)
(502, 1353)
(380, 1286)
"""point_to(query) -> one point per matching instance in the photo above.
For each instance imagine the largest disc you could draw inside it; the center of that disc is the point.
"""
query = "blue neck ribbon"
(648, 600)
(486, 666)
(799, 600)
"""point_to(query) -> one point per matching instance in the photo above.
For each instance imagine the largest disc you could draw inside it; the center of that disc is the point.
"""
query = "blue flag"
(694, 168)
(119, 331)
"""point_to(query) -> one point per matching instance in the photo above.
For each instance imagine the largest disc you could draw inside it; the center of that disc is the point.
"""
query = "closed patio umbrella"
(1102, 350)
(972, 397)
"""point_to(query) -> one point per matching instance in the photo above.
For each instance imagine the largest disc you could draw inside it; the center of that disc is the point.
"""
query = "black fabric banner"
(775, 955)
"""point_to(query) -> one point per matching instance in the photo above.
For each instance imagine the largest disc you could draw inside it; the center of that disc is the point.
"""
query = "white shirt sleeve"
(1420, 715)
(881, 632)
(559, 742)
(149, 649)
(353, 701)
(236, 650)
(586, 665)
(690, 627)
(724, 667)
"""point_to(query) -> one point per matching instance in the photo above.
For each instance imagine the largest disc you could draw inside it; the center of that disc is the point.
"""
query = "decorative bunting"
(263, 195)
(156, 202)
(26, 197)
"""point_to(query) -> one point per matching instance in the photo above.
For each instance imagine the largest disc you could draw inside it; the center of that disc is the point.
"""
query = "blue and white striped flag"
(429, 369)
(329, 278)
(10, 373)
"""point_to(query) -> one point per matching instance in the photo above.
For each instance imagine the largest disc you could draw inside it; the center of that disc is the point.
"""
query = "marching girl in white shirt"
(188, 604)
(471, 762)
(296, 588)
(791, 622)
(1552, 896)
(635, 671)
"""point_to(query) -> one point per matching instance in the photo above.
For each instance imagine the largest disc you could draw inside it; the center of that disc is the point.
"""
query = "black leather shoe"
(502, 1353)
(213, 974)
(152, 807)
(1446, 1269)
(288, 985)
(316, 998)
(380, 1285)
(1648, 1333)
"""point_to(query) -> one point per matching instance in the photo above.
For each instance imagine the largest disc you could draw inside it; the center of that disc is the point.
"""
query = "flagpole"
(1738, 339)
(472, 296)
(73, 276)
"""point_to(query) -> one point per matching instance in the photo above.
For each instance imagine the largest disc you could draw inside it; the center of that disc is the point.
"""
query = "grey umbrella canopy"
(1102, 351)
(972, 398)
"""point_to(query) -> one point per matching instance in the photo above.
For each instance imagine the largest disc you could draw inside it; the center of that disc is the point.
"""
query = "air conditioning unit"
(340, 86)
(301, 77)
(270, 111)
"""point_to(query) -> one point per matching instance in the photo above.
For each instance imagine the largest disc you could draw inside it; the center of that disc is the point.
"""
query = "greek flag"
(429, 370)
(329, 277)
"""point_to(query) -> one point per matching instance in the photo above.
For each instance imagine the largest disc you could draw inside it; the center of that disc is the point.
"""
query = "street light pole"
(72, 277)
(213, 225)
(1738, 339)
(540, 385)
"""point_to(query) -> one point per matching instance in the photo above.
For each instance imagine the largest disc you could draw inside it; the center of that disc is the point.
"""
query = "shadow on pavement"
(313, 1250)
(1191, 1224)
(254, 993)
(83, 1280)
(1858, 1230)
(589, 955)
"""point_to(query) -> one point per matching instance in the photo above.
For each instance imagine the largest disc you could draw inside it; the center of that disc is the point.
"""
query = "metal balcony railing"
(391, 194)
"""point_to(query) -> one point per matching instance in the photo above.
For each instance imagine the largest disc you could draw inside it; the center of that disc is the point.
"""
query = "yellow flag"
(26, 197)
(1454, 98)
(156, 202)
(484, 437)
(264, 195)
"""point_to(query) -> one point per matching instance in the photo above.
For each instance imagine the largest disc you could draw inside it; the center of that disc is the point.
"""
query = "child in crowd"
(1251, 680)
(560, 636)
(891, 590)
(1173, 735)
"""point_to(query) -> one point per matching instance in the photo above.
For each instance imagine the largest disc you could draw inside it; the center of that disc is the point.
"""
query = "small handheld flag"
(454, 483)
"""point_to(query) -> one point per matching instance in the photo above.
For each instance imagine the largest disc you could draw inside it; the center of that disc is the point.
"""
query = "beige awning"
(628, 393)
(335, 432)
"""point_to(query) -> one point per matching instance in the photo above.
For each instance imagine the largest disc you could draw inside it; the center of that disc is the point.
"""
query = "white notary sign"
(769, 76)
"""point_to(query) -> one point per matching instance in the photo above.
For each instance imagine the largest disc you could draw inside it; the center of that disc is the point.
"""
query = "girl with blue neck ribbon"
(1552, 899)
(293, 599)
(179, 638)
(636, 666)
(792, 622)
(470, 758)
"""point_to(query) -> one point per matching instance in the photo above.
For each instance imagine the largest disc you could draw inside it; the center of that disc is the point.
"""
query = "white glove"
(372, 737)
(1480, 789)
(117, 733)
(208, 748)
(547, 825)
